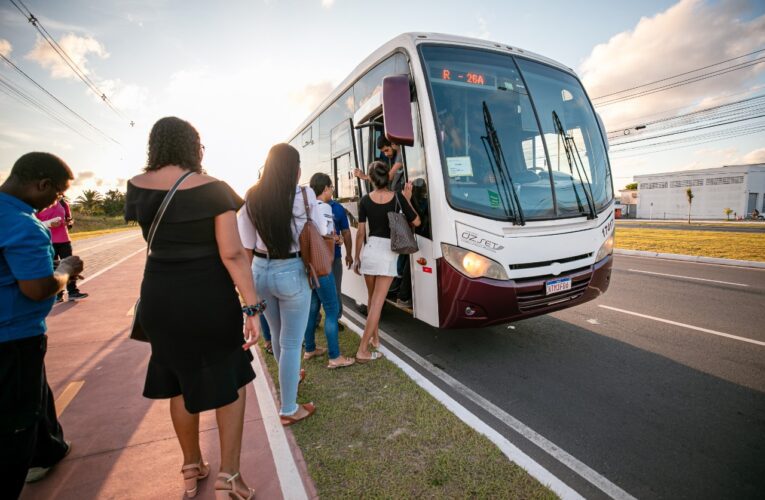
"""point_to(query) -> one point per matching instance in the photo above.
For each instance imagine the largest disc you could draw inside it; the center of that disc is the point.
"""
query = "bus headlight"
(471, 264)
(606, 249)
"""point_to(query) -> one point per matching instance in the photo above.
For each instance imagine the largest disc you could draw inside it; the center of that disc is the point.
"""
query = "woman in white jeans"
(270, 224)
(378, 263)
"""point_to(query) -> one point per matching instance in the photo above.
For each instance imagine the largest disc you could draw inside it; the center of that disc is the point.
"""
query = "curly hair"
(173, 141)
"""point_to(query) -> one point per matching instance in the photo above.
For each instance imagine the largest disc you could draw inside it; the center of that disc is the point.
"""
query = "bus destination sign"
(472, 78)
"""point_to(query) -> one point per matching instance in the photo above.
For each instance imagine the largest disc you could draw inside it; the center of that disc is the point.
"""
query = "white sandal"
(230, 491)
(190, 483)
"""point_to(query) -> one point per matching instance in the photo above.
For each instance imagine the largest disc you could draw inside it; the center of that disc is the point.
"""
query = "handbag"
(314, 249)
(136, 331)
(402, 238)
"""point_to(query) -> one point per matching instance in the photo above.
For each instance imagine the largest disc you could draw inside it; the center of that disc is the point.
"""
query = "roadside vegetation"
(96, 214)
(376, 434)
(726, 245)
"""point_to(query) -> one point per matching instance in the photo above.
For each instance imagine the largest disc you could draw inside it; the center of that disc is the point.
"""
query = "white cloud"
(125, 97)
(5, 47)
(78, 48)
(80, 178)
(756, 156)
(327, 4)
(688, 35)
(310, 96)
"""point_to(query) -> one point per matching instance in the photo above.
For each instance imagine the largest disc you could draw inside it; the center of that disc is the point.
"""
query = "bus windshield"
(553, 159)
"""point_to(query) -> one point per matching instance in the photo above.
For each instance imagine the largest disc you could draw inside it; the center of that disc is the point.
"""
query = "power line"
(694, 113)
(676, 76)
(706, 135)
(680, 83)
(66, 58)
(8, 88)
(666, 113)
(691, 130)
(753, 131)
(59, 101)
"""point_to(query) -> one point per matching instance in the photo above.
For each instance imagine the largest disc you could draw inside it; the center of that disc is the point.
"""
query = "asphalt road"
(661, 410)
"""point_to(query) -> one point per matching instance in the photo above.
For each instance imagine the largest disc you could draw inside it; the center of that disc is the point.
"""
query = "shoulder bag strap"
(305, 204)
(163, 207)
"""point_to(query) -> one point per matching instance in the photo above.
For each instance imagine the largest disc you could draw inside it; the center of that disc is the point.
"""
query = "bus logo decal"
(474, 239)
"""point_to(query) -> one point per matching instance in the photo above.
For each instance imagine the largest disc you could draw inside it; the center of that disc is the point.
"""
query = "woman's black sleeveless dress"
(189, 306)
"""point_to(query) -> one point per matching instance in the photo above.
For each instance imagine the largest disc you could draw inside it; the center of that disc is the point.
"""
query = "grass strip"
(87, 223)
(376, 434)
(89, 234)
(726, 245)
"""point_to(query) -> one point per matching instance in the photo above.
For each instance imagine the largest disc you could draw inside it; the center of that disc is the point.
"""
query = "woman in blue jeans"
(270, 224)
(326, 294)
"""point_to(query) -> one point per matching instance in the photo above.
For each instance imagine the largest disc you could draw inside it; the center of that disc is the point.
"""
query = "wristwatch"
(252, 310)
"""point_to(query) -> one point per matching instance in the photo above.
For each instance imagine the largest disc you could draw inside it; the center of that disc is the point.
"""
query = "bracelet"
(255, 309)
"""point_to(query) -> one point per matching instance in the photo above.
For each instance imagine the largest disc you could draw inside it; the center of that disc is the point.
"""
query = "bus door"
(422, 264)
(347, 193)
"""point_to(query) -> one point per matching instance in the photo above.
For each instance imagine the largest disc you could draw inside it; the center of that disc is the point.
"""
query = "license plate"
(558, 285)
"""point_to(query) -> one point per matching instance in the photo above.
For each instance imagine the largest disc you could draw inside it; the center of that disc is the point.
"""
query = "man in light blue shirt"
(30, 435)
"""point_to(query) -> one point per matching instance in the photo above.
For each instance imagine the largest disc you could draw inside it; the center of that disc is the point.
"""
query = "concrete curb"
(692, 258)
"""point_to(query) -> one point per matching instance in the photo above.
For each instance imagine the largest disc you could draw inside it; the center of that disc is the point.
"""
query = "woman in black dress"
(190, 310)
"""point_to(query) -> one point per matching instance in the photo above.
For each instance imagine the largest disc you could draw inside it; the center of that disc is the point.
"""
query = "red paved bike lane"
(123, 444)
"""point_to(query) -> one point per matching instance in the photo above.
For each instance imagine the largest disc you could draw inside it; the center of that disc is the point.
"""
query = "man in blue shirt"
(30, 435)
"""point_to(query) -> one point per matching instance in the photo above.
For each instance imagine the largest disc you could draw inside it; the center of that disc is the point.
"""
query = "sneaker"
(77, 296)
(404, 303)
(35, 474)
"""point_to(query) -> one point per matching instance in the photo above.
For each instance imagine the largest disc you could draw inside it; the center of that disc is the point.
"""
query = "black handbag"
(136, 331)
(402, 239)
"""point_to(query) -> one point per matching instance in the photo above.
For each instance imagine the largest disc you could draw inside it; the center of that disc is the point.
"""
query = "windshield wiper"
(501, 173)
(569, 145)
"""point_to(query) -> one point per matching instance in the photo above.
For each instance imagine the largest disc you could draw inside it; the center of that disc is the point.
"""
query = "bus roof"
(410, 41)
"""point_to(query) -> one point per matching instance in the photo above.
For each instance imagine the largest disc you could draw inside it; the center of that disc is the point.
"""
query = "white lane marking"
(727, 266)
(111, 266)
(511, 451)
(106, 243)
(685, 277)
(290, 480)
(684, 325)
(593, 321)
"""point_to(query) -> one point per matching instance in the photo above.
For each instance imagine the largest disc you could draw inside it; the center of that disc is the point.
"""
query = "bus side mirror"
(397, 111)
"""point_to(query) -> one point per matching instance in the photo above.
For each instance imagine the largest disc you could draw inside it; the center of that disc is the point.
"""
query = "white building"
(738, 187)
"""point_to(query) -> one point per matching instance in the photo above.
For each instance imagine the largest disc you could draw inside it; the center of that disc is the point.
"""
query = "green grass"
(726, 245)
(376, 434)
(87, 223)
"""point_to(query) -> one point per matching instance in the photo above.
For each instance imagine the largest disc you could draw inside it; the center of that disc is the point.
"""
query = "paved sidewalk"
(123, 444)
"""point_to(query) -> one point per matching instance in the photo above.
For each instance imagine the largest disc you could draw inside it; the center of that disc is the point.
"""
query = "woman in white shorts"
(377, 262)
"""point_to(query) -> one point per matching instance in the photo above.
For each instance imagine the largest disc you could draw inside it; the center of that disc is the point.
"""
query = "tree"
(689, 195)
(89, 202)
(631, 185)
(727, 212)
(114, 202)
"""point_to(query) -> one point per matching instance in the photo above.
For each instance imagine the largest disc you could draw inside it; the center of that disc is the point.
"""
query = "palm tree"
(89, 201)
(727, 212)
(689, 195)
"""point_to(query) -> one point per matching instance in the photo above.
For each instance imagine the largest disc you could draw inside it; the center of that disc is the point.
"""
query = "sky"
(247, 73)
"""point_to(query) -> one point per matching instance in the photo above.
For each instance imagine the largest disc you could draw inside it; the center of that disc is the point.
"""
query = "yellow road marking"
(68, 395)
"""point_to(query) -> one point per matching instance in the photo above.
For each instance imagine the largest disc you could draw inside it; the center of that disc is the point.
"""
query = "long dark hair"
(173, 141)
(269, 202)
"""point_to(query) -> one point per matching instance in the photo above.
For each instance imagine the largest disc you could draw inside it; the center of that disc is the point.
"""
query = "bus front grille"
(531, 265)
(532, 295)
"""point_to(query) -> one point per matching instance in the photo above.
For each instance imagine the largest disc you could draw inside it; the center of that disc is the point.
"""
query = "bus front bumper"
(471, 303)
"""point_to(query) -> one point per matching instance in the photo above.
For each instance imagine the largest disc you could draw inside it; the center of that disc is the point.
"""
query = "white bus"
(510, 171)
